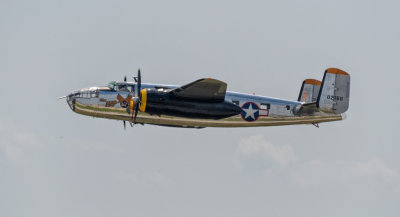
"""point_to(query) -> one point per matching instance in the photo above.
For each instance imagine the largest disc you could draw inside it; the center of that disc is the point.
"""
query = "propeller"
(125, 79)
(134, 102)
(128, 99)
(139, 99)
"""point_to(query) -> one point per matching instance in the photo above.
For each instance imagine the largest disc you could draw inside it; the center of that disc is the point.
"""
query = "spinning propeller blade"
(139, 86)
(133, 102)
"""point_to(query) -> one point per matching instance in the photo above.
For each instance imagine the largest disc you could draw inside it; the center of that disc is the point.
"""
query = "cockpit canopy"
(111, 85)
(121, 86)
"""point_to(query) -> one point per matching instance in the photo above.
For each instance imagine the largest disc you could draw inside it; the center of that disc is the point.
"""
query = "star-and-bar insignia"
(250, 111)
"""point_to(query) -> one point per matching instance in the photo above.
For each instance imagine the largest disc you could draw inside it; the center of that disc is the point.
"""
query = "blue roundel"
(250, 111)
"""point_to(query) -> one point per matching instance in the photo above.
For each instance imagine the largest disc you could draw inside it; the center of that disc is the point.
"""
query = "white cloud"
(256, 153)
(375, 168)
(260, 156)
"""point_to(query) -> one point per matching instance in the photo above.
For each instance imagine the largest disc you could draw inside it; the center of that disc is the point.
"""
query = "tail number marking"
(335, 98)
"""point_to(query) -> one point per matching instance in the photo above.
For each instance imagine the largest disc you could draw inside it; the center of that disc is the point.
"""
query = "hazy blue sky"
(54, 162)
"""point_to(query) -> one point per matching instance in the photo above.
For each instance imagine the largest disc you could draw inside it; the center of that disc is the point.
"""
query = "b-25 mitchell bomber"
(206, 103)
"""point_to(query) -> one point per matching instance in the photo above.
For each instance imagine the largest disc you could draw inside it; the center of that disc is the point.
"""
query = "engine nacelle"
(164, 103)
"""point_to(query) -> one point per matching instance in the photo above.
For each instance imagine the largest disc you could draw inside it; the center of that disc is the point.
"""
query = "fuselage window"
(265, 106)
(94, 93)
(288, 107)
(84, 94)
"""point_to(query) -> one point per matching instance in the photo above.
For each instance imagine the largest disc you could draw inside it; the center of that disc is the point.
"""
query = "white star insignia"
(250, 112)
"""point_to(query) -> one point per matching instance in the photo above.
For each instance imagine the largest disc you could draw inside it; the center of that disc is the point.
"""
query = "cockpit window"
(123, 87)
(111, 85)
(120, 86)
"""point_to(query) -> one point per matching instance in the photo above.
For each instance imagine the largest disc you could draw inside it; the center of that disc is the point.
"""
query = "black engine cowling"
(164, 103)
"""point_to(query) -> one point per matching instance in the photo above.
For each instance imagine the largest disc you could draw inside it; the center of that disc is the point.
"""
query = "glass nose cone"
(71, 99)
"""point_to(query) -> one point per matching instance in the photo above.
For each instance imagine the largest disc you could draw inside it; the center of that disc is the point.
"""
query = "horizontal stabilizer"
(307, 109)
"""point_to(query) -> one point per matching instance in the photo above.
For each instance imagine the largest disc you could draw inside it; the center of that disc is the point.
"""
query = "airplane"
(207, 103)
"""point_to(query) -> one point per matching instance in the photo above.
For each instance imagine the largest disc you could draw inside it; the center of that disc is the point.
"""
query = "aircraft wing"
(206, 89)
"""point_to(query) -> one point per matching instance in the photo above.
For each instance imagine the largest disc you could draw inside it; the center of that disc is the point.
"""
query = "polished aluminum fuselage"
(103, 102)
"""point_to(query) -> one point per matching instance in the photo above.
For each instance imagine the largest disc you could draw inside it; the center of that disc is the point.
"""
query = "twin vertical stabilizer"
(309, 91)
(334, 94)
